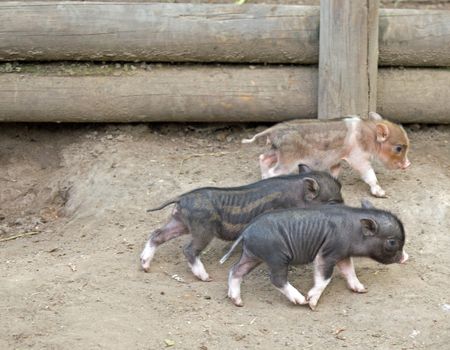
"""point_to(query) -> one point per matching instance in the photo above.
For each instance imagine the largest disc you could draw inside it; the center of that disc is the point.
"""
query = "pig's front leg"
(192, 252)
(367, 173)
(278, 276)
(323, 270)
(347, 270)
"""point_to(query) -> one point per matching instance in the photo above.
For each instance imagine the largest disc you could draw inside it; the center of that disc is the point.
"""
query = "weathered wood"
(414, 38)
(110, 31)
(346, 70)
(194, 93)
(158, 32)
(199, 93)
(415, 95)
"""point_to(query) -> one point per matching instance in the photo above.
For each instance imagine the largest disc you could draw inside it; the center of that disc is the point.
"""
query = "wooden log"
(346, 70)
(414, 95)
(414, 38)
(117, 31)
(158, 32)
(170, 93)
(96, 93)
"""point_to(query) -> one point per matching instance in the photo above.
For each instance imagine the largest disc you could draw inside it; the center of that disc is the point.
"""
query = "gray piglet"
(211, 212)
(327, 236)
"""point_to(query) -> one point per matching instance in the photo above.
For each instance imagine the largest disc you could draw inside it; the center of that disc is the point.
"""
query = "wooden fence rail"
(166, 32)
(207, 93)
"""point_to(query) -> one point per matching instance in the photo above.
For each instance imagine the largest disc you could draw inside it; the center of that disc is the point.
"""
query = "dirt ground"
(79, 194)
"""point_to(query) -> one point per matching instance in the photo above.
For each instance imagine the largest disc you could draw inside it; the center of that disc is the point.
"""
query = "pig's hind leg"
(266, 160)
(174, 228)
(278, 277)
(287, 163)
(245, 265)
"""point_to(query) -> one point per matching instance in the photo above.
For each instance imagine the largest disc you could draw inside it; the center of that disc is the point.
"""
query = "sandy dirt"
(79, 195)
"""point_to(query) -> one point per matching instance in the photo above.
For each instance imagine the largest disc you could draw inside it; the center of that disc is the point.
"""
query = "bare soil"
(78, 194)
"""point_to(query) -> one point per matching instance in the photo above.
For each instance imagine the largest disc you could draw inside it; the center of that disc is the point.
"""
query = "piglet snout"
(405, 164)
(404, 258)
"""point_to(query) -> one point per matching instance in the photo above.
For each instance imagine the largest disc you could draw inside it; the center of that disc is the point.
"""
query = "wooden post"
(348, 57)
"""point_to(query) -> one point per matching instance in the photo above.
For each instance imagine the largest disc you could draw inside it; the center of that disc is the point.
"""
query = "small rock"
(19, 222)
(414, 333)
(169, 342)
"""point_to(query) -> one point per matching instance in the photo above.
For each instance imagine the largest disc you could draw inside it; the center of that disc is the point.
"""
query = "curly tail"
(235, 244)
(165, 204)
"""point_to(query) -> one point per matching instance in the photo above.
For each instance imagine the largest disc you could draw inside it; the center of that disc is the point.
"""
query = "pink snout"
(405, 164)
(404, 258)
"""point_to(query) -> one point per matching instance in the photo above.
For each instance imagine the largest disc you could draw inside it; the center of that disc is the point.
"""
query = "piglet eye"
(391, 244)
(398, 149)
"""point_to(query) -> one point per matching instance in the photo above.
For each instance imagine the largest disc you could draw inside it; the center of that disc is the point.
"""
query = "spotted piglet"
(323, 144)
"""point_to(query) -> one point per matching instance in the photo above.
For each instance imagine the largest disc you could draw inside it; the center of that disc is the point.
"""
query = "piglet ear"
(311, 188)
(366, 204)
(369, 227)
(303, 169)
(375, 116)
(382, 132)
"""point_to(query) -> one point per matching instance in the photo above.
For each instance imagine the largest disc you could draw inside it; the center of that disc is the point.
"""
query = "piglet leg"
(368, 175)
(347, 270)
(174, 228)
(323, 271)
(192, 251)
(244, 266)
(266, 160)
(278, 276)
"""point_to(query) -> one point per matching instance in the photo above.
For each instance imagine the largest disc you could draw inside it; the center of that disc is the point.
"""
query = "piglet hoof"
(359, 289)
(237, 302)
(312, 305)
(298, 299)
(377, 191)
(199, 271)
(301, 302)
(313, 299)
(236, 299)
(204, 277)
(145, 266)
